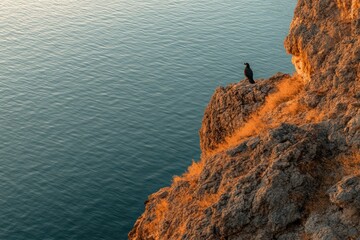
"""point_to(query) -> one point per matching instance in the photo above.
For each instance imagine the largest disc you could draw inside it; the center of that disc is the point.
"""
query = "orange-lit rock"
(280, 159)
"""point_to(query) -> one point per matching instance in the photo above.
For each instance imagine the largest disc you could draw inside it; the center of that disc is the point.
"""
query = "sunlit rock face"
(281, 158)
(320, 34)
(324, 40)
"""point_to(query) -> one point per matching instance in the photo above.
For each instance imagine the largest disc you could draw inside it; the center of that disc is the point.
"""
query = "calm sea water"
(101, 101)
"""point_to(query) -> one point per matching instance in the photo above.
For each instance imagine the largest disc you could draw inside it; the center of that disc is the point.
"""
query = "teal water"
(101, 101)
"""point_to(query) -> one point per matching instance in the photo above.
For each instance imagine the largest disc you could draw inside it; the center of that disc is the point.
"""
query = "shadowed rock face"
(280, 159)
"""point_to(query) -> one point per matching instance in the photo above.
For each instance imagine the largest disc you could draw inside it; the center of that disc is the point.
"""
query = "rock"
(346, 193)
(230, 107)
(272, 164)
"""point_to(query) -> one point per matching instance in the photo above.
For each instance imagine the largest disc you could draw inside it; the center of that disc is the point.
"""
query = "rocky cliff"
(281, 158)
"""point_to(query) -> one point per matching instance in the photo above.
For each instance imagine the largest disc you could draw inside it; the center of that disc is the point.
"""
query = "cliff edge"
(281, 158)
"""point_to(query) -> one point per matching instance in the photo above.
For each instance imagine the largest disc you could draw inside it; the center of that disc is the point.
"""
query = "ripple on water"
(101, 101)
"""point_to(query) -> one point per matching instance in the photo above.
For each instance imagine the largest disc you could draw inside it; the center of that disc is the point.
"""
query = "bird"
(249, 73)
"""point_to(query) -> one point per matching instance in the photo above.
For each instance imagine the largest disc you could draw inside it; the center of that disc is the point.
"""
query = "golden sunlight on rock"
(280, 158)
(302, 67)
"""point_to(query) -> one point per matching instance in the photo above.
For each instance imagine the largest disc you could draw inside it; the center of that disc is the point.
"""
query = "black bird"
(249, 73)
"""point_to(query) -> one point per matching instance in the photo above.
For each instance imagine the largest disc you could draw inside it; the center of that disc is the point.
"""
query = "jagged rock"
(230, 107)
(346, 193)
(333, 223)
(280, 159)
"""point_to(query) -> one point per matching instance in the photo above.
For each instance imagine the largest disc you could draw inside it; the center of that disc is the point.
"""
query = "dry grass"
(192, 174)
(294, 107)
(314, 116)
(208, 200)
(194, 170)
(160, 210)
(279, 107)
(287, 91)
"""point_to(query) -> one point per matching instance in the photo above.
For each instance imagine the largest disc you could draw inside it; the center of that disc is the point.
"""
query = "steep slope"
(280, 159)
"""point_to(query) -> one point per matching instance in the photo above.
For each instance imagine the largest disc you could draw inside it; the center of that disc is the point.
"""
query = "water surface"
(101, 101)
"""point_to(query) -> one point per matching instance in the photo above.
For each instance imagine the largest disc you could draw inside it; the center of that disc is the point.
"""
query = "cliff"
(280, 159)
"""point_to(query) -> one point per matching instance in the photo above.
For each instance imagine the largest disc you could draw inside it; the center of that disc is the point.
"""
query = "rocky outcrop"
(230, 107)
(320, 35)
(281, 158)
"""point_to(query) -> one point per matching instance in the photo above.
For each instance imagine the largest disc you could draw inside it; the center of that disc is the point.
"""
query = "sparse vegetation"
(278, 107)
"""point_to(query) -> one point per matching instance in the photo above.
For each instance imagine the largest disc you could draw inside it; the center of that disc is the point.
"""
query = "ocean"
(101, 102)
